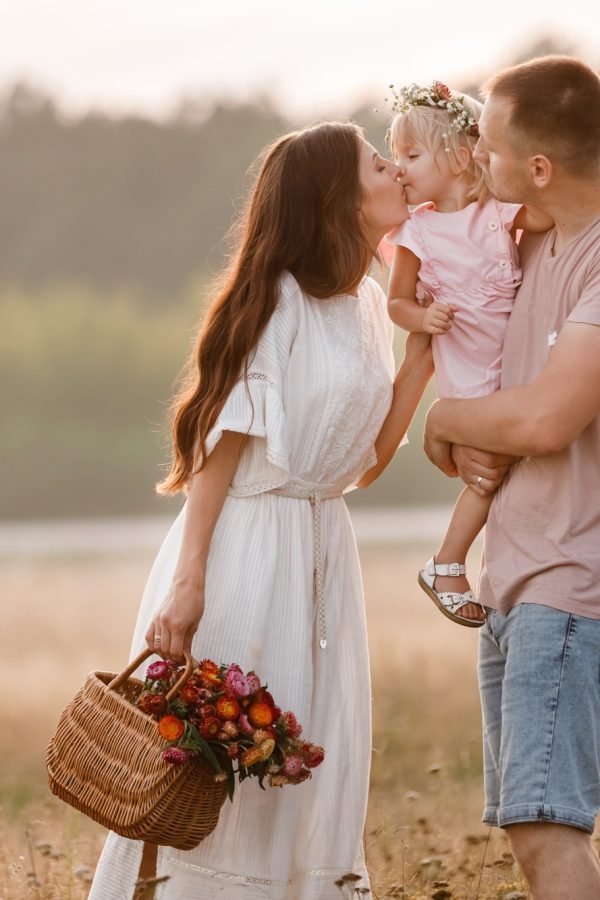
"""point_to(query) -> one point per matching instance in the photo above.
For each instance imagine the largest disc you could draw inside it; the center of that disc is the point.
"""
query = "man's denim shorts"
(539, 676)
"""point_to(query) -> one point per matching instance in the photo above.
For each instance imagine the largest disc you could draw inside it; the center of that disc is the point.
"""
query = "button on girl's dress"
(504, 264)
(493, 225)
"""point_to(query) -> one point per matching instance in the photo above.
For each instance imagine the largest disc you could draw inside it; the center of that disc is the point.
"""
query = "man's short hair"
(555, 110)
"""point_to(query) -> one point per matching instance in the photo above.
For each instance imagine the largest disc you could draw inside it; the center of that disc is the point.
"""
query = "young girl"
(454, 275)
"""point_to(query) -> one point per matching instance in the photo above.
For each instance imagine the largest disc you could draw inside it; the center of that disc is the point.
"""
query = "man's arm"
(535, 419)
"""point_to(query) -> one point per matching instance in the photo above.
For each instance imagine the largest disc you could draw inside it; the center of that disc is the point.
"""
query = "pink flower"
(293, 764)
(175, 755)
(157, 670)
(253, 682)
(236, 683)
(244, 724)
(289, 721)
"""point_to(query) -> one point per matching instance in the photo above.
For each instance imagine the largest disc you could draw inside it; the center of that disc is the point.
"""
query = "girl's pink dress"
(468, 259)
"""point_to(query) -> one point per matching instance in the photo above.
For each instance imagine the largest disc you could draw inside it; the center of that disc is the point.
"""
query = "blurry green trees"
(110, 231)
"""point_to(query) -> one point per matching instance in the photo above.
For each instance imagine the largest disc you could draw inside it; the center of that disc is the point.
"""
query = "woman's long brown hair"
(303, 216)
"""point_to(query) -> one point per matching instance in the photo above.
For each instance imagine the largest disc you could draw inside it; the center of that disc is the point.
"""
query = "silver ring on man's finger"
(157, 638)
(479, 479)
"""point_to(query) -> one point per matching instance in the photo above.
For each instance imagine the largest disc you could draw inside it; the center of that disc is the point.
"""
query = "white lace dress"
(321, 386)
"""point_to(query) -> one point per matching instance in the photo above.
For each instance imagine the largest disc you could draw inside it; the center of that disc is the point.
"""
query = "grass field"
(424, 838)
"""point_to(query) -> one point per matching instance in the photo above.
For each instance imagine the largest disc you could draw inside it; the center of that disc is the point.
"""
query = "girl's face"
(383, 206)
(424, 176)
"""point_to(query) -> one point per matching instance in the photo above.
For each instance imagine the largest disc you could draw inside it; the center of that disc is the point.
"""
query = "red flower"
(313, 755)
(261, 714)
(227, 708)
(175, 755)
(263, 696)
(291, 725)
(158, 670)
(171, 728)
(209, 728)
(153, 704)
(189, 694)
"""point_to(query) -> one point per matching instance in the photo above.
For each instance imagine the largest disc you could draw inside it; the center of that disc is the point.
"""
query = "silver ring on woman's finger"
(479, 479)
(157, 638)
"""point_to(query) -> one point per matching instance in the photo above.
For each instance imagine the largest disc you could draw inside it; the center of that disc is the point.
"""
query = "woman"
(291, 400)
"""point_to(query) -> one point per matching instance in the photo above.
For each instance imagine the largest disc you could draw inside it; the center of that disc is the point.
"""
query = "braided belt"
(315, 498)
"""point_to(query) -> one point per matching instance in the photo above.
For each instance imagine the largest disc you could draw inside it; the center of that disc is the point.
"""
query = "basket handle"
(118, 680)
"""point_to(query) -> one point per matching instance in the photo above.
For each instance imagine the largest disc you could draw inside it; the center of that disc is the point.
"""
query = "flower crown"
(438, 95)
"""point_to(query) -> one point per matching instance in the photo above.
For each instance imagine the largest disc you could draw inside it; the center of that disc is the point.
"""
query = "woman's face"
(383, 205)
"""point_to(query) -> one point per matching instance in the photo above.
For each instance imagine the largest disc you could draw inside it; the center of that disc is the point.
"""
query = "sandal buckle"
(453, 568)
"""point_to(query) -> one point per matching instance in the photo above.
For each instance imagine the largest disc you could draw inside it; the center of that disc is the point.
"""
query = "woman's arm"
(409, 384)
(403, 308)
(177, 620)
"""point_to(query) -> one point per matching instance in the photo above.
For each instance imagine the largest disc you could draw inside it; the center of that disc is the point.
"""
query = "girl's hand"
(438, 318)
(176, 622)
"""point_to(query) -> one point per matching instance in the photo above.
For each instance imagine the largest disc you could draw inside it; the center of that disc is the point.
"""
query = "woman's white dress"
(320, 382)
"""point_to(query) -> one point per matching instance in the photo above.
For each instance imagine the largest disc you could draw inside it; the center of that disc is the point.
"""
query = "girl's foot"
(446, 584)
(460, 584)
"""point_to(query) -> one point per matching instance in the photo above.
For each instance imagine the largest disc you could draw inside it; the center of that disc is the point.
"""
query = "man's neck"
(573, 210)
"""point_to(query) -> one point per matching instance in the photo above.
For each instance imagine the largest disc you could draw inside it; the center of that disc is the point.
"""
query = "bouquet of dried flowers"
(230, 718)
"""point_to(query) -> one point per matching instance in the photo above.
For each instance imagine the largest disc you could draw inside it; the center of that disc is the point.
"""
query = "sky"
(309, 56)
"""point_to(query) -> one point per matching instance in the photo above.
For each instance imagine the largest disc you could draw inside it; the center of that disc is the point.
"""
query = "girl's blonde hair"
(434, 129)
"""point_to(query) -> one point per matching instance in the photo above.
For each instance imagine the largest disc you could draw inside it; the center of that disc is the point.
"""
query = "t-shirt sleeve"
(255, 405)
(408, 235)
(587, 309)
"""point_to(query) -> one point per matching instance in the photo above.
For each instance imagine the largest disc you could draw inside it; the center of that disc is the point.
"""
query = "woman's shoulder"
(289, 290)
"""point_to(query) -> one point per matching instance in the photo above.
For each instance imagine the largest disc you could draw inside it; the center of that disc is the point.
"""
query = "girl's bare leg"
(468, 518)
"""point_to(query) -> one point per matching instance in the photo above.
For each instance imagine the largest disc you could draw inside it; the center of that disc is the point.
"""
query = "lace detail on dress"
(258, 376)
(251, 879)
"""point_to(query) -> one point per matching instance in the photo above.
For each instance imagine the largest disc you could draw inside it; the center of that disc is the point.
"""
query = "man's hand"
(484, 472)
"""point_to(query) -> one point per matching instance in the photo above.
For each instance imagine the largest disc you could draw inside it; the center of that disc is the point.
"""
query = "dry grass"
(424, 840)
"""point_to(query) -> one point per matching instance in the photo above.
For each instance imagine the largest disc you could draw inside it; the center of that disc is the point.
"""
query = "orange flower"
(227, 708)
(267, 747)
(261, 714)
(171, 728)
(209, 673)
(251, 756)
(188, 693)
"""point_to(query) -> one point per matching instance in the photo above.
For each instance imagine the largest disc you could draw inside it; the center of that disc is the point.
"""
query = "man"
(539, 660)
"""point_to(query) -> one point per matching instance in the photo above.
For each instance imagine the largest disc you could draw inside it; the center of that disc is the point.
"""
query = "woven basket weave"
(105, 760)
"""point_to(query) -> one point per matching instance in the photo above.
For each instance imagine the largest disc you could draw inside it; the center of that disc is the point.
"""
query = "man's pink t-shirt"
(468, 259)
(542, 542)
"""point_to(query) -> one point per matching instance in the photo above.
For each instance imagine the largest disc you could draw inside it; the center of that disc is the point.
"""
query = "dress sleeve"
(255, 405)
(408, 235)
(507, 213)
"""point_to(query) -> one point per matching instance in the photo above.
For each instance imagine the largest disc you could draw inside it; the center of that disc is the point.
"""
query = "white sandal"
(449, 602)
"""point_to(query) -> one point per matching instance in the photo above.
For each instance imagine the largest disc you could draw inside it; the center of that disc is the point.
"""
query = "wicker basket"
(105, 760)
